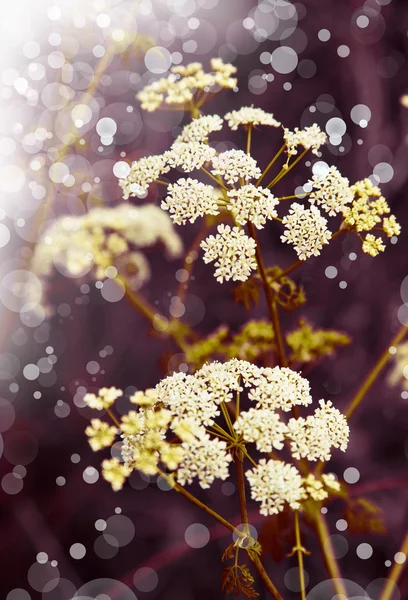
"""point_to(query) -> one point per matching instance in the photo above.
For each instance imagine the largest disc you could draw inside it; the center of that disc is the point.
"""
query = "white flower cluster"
(263, 427)
(275, 483)
(106, 237)
(189, 199)
(189, 155)
(233, 165)
(233, 252)
(142, 173)
(331, 191)
(253, 204)
(280, 388)
(248, 115)
(189, 405)
(179, 88)
(313, 437)
(199, 129)
(310, 138)
(305, 230)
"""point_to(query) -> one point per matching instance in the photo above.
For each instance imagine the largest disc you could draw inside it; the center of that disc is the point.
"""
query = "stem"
(264, 577)
(237, 406)
(375, 371)
(286, 170)
(200, 504)
(189, 261)
(323, 535)
(244, 516)
(214, 178)
(299, 197)
(272, 307)
(272, 162)
(395, 573)
(299, 551)
(241, 490)
(248, 145)
(112, 416)
(227, 418)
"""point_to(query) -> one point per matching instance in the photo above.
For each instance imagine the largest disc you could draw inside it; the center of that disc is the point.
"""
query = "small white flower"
(142, 173)
(248, 115)
(332, 191)
(280, 388)
(309, 137)
(314, 437)
(235, 164)
(199, 129)
(252, 204)
(275, 484)
(305, 230)
(189, 155)
(188, 199)
(205, 459)
(233, 252)
(263, 427)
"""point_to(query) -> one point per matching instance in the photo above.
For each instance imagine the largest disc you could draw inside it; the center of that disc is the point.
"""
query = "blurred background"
(342, 65)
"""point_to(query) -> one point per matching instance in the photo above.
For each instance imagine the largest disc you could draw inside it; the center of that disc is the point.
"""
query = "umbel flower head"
(180, 88)
(305, 230)
(178, 426)
(106, 237)
(366, 213)
(248, 115)
(233, 253)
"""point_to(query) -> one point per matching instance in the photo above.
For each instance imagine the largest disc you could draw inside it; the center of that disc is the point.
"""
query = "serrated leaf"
(287, 293)
(247, 292)
(229, 552)
(238, 579)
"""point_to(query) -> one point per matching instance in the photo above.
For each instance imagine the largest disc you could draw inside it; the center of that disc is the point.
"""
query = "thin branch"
(272, 307)
(375, 371)
(395, 572)
(214, 178)
(271, 163)
(327, 550)
(286, 170)
(299, 551)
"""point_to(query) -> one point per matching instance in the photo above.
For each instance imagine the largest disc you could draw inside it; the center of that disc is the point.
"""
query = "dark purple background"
(48, 518)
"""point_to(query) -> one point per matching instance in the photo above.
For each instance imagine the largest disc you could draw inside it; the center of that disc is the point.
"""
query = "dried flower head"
(115, 473)
(372, 245)
(248, 115)
(305, 230)
(252, 204)
(105, 399)
(391, 227)
(101, 435)
(233, 252)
